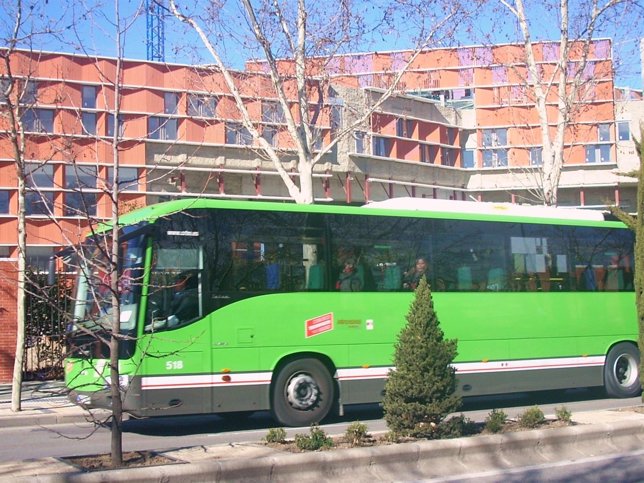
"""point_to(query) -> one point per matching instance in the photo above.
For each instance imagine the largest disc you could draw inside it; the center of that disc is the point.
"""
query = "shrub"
(563, 414)
(391, 437)
(456, 427)
(495, 421)
(317, 439)
(357, 434)
(531, 417)
(276, 435)
(419, 393)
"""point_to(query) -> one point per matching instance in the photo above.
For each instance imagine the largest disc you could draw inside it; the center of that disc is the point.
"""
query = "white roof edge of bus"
(483, 207)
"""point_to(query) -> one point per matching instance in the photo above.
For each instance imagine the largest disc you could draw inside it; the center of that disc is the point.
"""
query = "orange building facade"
(464, 126)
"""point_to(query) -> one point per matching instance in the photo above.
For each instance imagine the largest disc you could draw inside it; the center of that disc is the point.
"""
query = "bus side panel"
(356, 332)
(176, 371)
(523, 381)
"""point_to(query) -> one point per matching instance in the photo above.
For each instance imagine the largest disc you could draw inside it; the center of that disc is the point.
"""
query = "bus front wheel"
(621, 371)
(302, 393)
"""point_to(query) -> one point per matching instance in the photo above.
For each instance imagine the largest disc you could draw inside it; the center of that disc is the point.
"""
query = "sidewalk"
(42, 402)
(595, 433)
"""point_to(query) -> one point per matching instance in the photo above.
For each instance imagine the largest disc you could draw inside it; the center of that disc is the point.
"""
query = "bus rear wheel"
(303, 393)
(621, 371)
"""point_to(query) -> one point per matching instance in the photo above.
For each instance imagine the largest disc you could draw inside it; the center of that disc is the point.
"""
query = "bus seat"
(315, 280)
(496, 279)
(614, 279)
(464, 278)
(393, 278)
(360, 273)
(273, 276)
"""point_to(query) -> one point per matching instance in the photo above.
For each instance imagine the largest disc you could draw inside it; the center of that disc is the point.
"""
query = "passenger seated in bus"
(349, 279)
(412, 277)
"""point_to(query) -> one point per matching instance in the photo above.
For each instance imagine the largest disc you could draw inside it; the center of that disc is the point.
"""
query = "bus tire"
(302, 393)
(621, 371)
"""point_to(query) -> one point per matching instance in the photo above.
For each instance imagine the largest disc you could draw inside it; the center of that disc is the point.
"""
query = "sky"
(85, 26)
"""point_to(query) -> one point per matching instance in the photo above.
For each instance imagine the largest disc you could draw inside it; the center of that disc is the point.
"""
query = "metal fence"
(45, 325)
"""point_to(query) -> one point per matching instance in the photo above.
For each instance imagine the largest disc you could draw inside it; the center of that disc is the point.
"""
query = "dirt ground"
(131, 459)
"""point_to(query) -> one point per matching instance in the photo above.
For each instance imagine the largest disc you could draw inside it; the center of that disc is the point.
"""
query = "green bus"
(234, 306)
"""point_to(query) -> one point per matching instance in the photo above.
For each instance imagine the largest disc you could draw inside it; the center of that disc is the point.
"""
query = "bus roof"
(402, 207)
(487, 208)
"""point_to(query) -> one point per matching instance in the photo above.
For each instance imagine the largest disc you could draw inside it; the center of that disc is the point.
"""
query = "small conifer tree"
(419, 393)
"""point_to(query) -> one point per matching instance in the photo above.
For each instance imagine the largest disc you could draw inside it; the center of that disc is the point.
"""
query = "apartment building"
(463, 126)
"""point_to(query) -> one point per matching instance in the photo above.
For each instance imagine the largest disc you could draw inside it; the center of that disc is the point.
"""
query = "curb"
(417, 460)
(44, 417)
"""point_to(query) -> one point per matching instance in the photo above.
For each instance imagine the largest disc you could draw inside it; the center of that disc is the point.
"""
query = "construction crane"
(155, 30)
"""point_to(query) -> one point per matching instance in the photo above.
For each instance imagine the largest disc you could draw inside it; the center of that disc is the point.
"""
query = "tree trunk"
(18, 364)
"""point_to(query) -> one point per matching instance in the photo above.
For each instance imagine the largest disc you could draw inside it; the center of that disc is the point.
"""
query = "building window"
(79, 179)
(270, 134)
(128, 178)
(109, 130)
(494, 158)
(452, 134)
(200, 105)
(360, 137)
(30, 94)
(89, 122)
(495, 137)
(236, 133)
(404, 128)
(598, 153)
(272, 112)
(428, 153)
(162, 128)
(39, 178)
(89, 97)
(336, 117)
(5, 85)
(603, 132)
(380, 146)
(468, 158)
(536, 156)
(604, 153)
(624, 130)
(170, 102)
(38, 120)
(424, 153)
(37, 258)
(448, 156)
(318, 138)
(4, 202)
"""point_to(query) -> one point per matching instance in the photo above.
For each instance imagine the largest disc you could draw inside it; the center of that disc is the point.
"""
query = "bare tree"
(98, 261)
(299, 43)
(560, 77)
(23, 23)
(635, 222)
(107, 244)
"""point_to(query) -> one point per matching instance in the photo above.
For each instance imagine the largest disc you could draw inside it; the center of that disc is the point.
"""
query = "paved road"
(166, 433)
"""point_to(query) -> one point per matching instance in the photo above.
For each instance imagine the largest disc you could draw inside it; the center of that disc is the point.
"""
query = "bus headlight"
(124, 381)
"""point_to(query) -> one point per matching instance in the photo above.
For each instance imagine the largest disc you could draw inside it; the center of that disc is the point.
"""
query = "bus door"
(176, 339)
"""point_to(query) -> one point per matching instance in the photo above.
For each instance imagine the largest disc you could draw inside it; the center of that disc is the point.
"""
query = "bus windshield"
(92, 305)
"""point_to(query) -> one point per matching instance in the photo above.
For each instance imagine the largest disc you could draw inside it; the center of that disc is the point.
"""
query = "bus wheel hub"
(302, 391)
